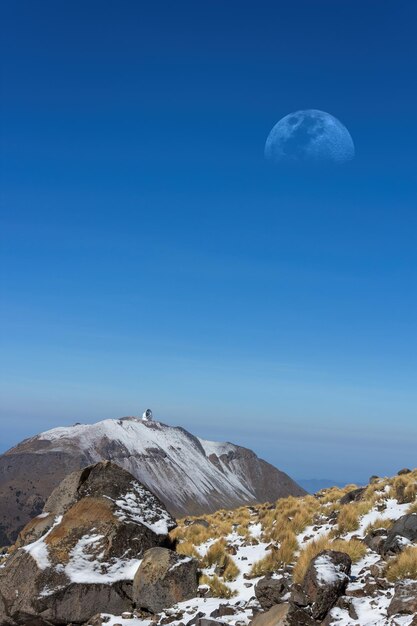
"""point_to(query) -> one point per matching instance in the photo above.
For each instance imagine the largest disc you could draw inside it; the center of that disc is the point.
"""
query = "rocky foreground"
(106, 551)
(190, 475)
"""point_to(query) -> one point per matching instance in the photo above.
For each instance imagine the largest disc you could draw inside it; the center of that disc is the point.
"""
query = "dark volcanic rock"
(222, 610)
(270, 591)
(325, 581)
(299, 617)
(161, 457)
(352, 496)
(375, 540)
(284, 614)
(80, 564)
(163, 579)
(275, 616)
(200, 522)
(405, 599)
(404, 528)
(4, 619)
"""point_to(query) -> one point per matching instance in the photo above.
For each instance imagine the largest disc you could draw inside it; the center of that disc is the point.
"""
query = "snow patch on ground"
(392, 511)
(312, 533)
(112, 620)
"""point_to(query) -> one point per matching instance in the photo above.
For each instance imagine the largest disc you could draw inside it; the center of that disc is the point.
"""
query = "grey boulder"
(270, 591)
(375, 540)
(163, 579)
(353, 496)
(325, 581)
(405, 528)
(405, 599)
(275, 616)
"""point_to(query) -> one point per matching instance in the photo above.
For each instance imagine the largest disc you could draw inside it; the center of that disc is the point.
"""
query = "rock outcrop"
(270, 591)
(375, 540)
(325, 581)
(80, 557)
(404, 601)
(401, 534)
(353, 496)
(275, 616)
(163, 579)
(311, 601)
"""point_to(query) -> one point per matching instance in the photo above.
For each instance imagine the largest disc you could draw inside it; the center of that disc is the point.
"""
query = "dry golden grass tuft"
(220, 524)
(267, 565)
(288, 515)
(350, 515)
(217, 555)
(354, 548)
(276, 558)
(403, 566)
(380, 522)
(404, 487)
(231, 571)
(243, 531)
(188, 549)
(311, 550)
(412, 508)
(195, 533)
(376, 491)
(333, 494)
(242, 516)
(218, 589)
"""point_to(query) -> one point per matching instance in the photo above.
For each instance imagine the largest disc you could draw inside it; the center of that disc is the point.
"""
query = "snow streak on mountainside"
(190, 475)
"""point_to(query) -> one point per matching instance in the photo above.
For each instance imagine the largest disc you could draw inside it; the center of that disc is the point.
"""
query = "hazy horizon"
(301, 458)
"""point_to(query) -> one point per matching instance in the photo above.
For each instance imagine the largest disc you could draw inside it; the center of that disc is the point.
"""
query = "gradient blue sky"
(151, 257)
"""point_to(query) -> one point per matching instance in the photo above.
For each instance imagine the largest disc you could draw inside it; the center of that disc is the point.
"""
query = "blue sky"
(150, 256)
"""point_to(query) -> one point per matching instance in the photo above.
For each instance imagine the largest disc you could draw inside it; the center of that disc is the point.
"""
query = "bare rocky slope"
(190, 475)
(105, 551)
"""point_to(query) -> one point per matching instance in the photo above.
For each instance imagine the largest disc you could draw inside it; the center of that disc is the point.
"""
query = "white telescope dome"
(147, 415)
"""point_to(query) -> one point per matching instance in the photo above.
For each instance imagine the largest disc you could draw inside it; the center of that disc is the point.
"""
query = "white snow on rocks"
(38, 550)
(142, 507)
(86, 565)
(185, 559)
(328, 573)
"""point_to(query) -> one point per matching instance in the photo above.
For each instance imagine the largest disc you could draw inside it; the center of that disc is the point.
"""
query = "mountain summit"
(190, 475)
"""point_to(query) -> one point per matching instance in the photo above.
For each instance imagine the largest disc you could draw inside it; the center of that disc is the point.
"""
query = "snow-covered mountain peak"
(190, 475)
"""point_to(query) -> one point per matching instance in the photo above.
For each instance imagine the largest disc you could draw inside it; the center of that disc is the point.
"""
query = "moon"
(309, 135)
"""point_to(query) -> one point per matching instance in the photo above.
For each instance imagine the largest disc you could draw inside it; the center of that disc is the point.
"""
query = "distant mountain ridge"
(190, 475)
(312, 485)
